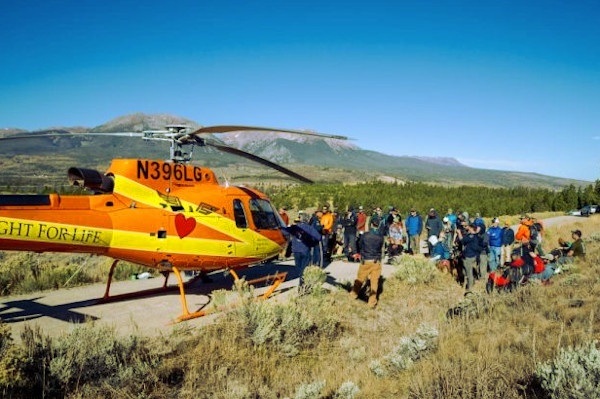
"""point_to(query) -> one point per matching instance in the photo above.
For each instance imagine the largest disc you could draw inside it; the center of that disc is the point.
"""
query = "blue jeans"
(547, 273)
(494, 258)
(317, 255)
(301, 260)
(563, 260)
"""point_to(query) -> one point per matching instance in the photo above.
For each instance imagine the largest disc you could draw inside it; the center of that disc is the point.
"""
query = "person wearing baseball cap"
(508, 239)
(414, 227)
(495, 240)
(575, 251)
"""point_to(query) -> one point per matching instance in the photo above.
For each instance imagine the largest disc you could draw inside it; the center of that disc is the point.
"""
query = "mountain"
(48, 158)
(328, 153)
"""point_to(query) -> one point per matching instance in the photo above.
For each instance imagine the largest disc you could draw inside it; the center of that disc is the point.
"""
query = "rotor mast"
(178, 136)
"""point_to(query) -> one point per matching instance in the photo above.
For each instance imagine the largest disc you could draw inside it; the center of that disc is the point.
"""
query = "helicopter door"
(241, 223)
(239, 214)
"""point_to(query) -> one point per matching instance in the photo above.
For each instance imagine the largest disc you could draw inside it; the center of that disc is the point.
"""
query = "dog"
(444, 266)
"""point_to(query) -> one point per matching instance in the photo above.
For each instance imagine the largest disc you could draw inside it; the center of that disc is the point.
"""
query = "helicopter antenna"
(222, 173)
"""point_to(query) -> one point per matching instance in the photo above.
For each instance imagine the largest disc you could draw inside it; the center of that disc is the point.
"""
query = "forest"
(403, 196)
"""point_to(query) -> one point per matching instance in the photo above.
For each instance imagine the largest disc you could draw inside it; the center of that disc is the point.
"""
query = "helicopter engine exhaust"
(91, 179)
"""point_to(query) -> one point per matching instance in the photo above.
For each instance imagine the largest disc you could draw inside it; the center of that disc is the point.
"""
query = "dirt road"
(57, 312)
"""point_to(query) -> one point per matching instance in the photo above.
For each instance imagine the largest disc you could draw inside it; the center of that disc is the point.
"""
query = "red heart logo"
(184, 225)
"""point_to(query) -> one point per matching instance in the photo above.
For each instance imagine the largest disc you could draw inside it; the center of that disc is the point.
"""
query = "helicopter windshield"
(264, 215)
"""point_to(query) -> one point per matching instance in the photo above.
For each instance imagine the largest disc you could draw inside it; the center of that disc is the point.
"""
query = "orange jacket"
(523, 232)
(327, 222)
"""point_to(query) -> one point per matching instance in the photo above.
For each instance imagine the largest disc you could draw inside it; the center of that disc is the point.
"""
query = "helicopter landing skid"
(275, 280)
(119, 297)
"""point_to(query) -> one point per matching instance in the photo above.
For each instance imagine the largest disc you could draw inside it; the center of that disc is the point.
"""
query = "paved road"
(558, 220)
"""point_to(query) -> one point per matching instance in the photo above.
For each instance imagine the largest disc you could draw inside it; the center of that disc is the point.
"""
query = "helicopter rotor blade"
(252, 157)
(234, 128)
(180, 137)
(66, 133)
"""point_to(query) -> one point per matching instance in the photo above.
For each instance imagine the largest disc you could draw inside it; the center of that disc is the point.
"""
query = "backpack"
(316, 224)
(534, 231)
(538, 265)
(349, 221)
(515, 274)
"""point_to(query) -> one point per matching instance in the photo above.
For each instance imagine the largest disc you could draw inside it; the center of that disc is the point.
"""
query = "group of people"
(466, 243)
(530, 262)
(314, 239)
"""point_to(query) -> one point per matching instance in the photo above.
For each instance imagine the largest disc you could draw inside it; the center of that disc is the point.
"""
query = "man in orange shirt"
(523, 232)
(327, 223)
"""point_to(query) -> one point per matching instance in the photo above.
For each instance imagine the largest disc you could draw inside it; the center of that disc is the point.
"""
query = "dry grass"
(326, 345)
(25, 272)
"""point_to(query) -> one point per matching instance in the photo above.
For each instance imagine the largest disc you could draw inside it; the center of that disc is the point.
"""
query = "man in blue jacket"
(495, 240)
(414, 227)
(303, 238)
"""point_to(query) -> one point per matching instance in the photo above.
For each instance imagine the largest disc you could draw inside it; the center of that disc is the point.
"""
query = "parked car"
(588, 210)
(584, 211)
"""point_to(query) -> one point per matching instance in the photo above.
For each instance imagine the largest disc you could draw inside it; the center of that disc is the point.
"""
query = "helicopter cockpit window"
(239, 214)
(263, 214)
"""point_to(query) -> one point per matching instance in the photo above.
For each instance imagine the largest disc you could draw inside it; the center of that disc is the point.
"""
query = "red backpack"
(538, 265)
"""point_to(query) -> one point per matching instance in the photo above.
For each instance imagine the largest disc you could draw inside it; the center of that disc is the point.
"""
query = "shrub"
(12, 376)
(313, 279)
(574, 373)
(348, 390)
(287, 326)
(416, 271)
(241, 293)
(410, 349)
(474, 305)
(310, 391)
(86, 360)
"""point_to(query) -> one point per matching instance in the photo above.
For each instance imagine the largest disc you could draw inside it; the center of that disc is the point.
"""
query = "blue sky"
(510, 85)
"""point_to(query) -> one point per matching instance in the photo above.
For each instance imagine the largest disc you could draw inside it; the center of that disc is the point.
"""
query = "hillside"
(45, 160)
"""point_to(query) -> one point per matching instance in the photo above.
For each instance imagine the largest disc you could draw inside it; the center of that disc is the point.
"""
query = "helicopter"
(168, 215)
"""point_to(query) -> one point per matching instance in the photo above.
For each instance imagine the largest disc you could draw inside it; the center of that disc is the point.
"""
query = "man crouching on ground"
(370, 244)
